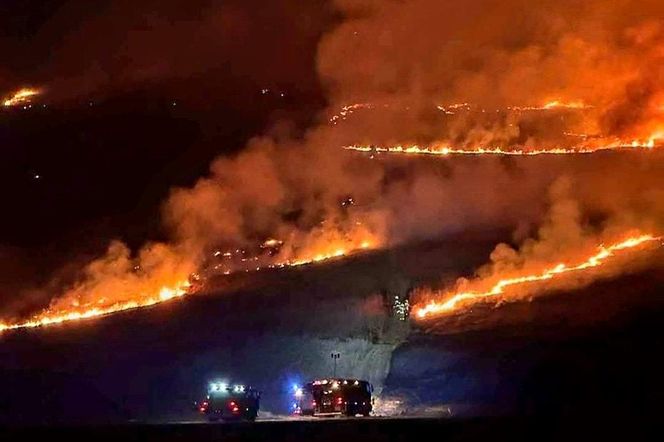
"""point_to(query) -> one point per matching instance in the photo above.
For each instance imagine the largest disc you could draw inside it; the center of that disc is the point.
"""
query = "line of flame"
(49, 318)
(443, 150)
(452, 108)
(166, 293)
(320, 257)
(434, 307)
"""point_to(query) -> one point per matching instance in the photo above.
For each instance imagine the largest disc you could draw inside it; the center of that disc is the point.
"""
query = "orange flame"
(604, 252)
(553, 105)
(177, 291)
(451, 109)
(444, 150)
(656, 137)
(367, 244)
(590, 144)
(48, 317)
(20, 97)
(323, 250)
(347, 110)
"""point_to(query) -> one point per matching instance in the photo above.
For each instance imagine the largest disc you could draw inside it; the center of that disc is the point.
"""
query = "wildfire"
(52, 316)
(444, 150)
(655, 138)
(589, 142)
(602, 254)
(49, 317)
(553, 105)
(322, 252)
(22, 96)
(325, 256)
(347, 110)
(452, 109)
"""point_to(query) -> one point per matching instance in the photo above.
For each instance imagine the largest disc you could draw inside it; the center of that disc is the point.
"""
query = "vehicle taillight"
(313, 403)
(233, 406)
(340, 400)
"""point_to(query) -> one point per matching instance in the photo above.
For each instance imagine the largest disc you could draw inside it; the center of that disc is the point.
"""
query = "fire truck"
(230, 402)
(349, 397)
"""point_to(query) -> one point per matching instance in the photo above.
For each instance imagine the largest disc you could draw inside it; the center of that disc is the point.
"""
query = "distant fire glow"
(456, 301)
(21, 97)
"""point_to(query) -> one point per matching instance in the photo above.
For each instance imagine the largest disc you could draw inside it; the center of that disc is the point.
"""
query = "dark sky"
(141, 96)
(78, 47)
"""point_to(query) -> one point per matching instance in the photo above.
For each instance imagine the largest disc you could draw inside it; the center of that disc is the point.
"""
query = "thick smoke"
(565, 237)
(118, 277)
(411, 56)
(406, 58)
(292, 191)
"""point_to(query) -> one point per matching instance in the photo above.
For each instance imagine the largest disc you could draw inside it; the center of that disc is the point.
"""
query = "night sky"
(139, 98)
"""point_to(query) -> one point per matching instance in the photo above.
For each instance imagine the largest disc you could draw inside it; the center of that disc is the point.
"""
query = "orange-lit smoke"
(567, 253)
(594, 69)
(117, 282)
(454, 301)
(567, 142)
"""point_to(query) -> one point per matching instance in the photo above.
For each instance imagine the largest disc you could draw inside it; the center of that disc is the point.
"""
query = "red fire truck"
(349, 397)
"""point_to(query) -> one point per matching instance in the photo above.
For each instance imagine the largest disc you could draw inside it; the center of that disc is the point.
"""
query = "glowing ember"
(348, 110)
(604, 252)
(452, 108)
(21, 97)
(49, 317)
(318, 254)
(332, 250)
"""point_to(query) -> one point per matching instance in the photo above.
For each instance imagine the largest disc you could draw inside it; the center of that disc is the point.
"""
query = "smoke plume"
(405, 59)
